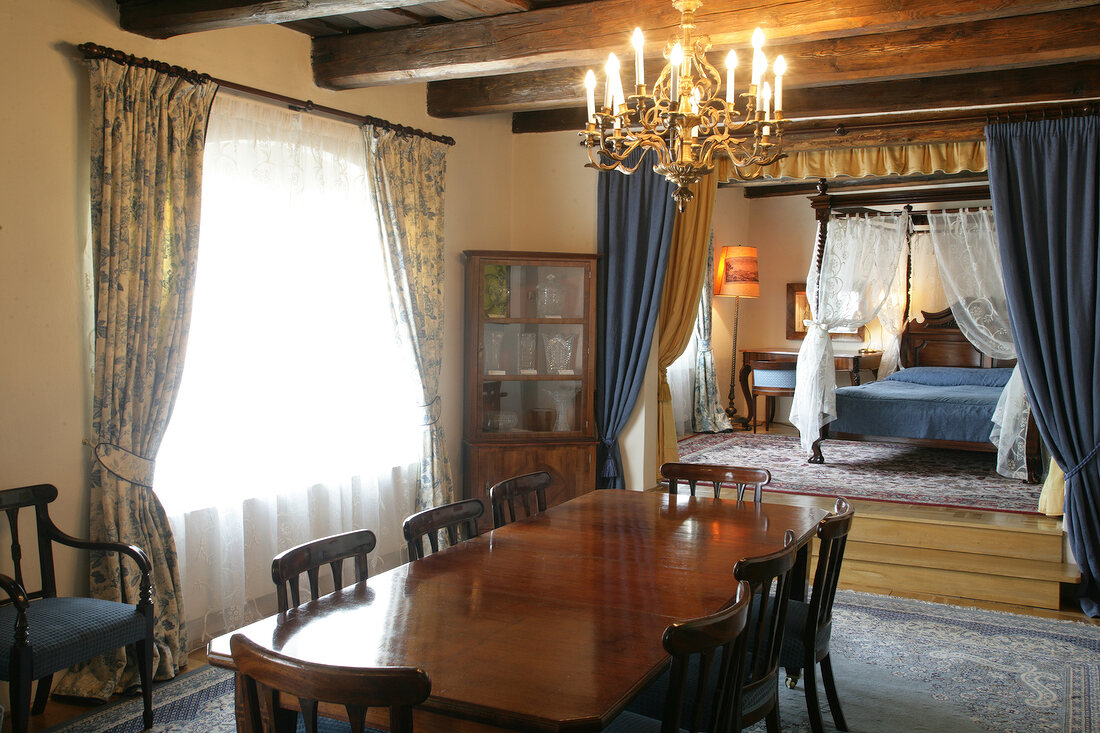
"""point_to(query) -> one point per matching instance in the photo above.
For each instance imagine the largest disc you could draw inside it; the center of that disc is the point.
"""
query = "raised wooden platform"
(975, 557)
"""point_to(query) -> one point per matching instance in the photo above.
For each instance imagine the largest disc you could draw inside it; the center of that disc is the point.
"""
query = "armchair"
(49, 634)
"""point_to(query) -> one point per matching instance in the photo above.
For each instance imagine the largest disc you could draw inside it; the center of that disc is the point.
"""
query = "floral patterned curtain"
(709, 417)
(407, 176)
(147, 132)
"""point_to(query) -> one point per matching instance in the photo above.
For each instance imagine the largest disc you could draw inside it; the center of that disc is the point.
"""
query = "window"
(298, 412)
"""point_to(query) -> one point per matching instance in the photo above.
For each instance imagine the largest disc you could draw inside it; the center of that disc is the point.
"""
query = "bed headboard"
(937, 341)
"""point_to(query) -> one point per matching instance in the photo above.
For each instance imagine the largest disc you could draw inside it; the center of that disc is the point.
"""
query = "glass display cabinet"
(530, 370)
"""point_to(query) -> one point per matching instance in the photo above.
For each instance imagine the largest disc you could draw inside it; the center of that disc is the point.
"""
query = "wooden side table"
(851, 363)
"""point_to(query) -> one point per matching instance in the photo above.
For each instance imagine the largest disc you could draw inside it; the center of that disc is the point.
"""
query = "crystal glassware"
(563, 397)
(493, 341)
(528, 342)
(548, 297)
(559, 352)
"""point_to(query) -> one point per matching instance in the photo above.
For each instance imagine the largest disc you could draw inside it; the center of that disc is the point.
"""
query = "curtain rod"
(95, 51)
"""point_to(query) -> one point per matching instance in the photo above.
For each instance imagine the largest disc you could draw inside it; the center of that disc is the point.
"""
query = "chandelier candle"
(685, 119)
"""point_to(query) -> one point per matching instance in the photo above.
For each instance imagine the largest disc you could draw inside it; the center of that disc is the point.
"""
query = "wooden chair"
(809, 626)
(703, 689)
(268, 675)
(51, 633)
(449, 518)
(505, 494)
(771, 379)
(769, 576)
(736, 476)
(308, 558)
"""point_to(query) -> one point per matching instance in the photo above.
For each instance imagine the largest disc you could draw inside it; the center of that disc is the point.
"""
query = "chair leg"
(813, 705)
(143, 651)
(755, 404)
(41, 694)
(769, 410)
(794, 674)
(830, 693)
(20, 692)
(772, 719)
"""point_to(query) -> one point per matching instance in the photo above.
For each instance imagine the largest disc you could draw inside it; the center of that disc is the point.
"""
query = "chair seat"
(65, 631)
(628, 722)
(793, 654)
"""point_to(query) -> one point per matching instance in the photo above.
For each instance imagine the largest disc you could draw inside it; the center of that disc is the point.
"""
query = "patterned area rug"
(875, 471)
(900, 665)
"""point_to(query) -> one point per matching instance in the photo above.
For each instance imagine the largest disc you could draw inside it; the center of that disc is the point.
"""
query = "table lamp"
(738, 277)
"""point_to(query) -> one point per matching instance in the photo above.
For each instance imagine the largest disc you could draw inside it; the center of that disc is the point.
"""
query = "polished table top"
(550, 623)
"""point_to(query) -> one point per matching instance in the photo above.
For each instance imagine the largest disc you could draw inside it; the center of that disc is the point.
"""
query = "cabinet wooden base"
(571, 465)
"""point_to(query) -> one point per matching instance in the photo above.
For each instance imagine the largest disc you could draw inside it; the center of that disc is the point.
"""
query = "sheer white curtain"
(681, 382)
(925, 287)
(892, 319)
(965, 243)
(298, 414)
(857, 268)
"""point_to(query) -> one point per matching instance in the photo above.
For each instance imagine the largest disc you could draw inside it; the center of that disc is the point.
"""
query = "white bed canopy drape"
(854, 280)
(965, 244)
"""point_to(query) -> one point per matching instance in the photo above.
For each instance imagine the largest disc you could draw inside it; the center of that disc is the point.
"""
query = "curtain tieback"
(608, 470)
(1084, 462)
(125, 464)
(431, 411)
(703, 345)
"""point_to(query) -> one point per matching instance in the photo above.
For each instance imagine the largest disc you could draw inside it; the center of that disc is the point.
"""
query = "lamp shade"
(738, 273)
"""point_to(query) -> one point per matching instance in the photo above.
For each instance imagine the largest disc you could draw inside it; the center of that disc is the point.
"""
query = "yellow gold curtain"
(1053, 496)
(680, 303)
(901, 160)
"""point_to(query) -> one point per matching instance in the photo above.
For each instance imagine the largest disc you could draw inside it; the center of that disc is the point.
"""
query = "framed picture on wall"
(798, 312)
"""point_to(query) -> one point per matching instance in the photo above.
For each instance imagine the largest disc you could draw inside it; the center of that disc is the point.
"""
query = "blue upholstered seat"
(65, 631)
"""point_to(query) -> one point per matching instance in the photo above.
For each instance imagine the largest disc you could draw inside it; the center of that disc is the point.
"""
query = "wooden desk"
(552, 623)
(851, 363)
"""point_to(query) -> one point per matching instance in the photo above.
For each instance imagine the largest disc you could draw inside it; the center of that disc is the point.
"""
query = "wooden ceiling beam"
(563, 36)
(167, 18)
(901, 64)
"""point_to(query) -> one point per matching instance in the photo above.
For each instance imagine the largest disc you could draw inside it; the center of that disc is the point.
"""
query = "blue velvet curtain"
(634, 230)
(1045, 180)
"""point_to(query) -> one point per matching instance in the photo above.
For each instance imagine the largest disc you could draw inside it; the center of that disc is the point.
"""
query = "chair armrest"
(133, 551)
(18, 598)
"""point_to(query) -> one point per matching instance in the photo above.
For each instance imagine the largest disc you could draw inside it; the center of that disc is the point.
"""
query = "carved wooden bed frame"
(935, 341)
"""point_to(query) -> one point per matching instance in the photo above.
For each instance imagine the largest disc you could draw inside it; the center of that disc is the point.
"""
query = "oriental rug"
(873, 471)
(900, 665)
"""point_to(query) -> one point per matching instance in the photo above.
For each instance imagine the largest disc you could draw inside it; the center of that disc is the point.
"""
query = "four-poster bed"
(947, 394)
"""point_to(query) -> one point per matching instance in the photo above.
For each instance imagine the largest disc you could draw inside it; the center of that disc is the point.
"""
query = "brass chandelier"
(685, 119)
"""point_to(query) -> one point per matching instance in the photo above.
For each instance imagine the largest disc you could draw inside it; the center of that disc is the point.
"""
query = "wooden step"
(1011, 567)
(902, 580)
(996, 541)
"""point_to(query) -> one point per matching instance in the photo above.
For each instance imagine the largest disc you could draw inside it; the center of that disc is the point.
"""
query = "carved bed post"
(823, 204)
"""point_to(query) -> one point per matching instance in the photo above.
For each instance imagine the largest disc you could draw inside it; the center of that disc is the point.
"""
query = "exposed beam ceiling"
(528, 56)
(562, 37)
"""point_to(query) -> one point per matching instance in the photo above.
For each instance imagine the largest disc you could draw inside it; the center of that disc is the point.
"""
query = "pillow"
(952, 376)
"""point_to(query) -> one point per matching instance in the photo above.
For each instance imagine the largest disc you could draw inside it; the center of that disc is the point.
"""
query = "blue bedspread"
(923, 402)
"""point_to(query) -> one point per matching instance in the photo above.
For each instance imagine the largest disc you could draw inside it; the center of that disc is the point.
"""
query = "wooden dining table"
(552, 623)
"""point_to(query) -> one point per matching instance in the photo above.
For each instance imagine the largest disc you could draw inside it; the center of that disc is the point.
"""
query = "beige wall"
(45, 301)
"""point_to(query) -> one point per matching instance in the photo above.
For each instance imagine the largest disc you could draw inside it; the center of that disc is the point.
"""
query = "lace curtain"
(709, 416)
(298, 415)
(681, 383)
(965, 243)
(858, 266)
(892, 319)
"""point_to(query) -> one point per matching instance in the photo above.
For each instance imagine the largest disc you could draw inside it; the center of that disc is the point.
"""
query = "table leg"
(750, 403)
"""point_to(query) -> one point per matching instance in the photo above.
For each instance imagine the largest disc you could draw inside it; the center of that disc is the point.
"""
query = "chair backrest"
(267, 675)
(773, 377)
(505, 495)
(738, 477)
(39, 497)
(832, 535)
(713, 648)
(449, 518)
(308, 558)
(769, 576)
